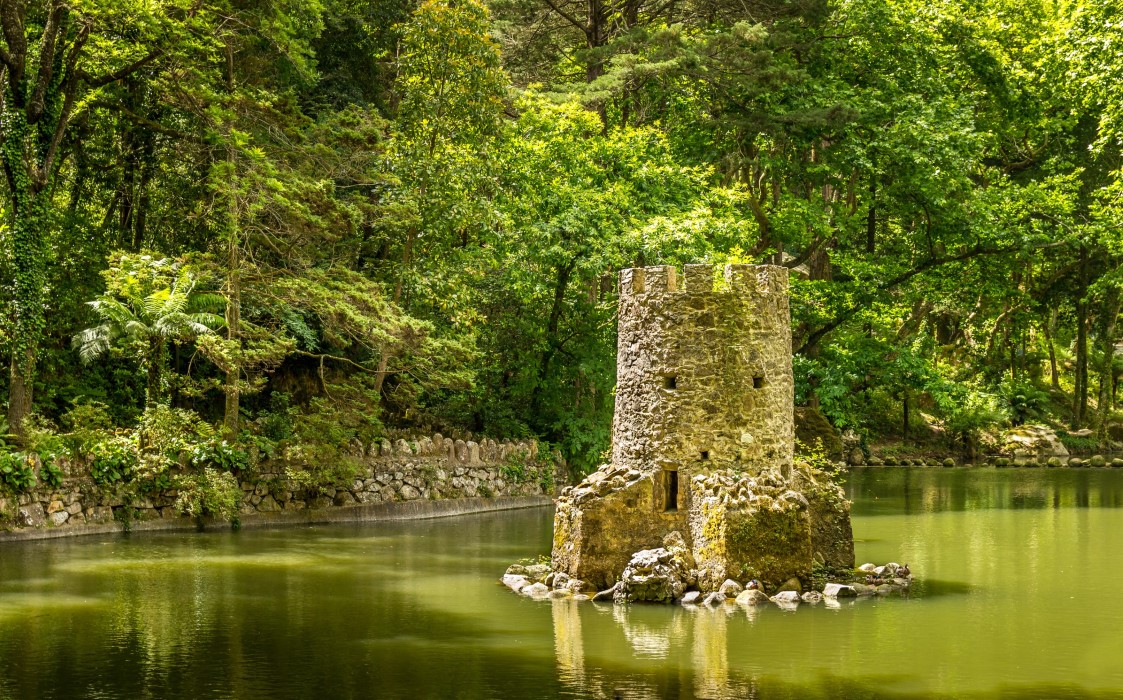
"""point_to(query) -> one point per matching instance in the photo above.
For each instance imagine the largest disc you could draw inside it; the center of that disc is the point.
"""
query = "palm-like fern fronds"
(171, 313)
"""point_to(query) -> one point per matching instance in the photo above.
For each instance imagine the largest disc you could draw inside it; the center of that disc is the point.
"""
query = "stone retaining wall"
(429, 468)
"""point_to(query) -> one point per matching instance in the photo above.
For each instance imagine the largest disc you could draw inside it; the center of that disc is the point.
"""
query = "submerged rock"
(538, 572)
(752, 597)
(516, 582)
(536, 590)
(786, 597)
(730, 588)
(652, 575)
(839, 590)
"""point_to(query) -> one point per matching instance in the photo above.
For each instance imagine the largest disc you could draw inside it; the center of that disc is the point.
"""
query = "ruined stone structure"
(703, 439)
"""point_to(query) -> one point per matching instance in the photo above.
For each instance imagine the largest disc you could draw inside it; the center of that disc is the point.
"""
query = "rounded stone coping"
(371, 512)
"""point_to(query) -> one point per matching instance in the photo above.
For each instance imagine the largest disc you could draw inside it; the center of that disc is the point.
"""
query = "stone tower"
(704, 369)
(703, 439)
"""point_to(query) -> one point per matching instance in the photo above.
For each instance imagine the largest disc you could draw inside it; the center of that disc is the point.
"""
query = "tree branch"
(11, 21)
(147, 123)
(71, 92)
(46, 61)
(122, 72)
(928, 264)
(568, 17)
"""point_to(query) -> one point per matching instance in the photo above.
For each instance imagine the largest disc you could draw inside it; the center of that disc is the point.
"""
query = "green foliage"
(50, 473)
(87, 422)
(17, 472)
(219, 454)
(515, 470)
(402, 234)
(277, 423)
(113, 458)
(317, 477)
(815, 458)
(1078, 443)
(149, 301)
(42, 439)
(1024, 401)
(546, 481)
(170, 431)
(208, 493)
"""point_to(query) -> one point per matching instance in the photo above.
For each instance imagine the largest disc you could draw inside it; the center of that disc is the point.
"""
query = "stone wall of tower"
(704, 373)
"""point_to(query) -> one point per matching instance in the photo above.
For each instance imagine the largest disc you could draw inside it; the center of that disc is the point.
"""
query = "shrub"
(1023, 401)
(1078, 443)
(49, 472)
(16, 471)
(220, 454)
(316, 477)
(114, 458)
(514, 469)
(277, 423)
(210, 492)
(88, 423)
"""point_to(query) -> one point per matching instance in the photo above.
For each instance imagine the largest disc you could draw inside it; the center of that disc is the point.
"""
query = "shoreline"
(372, 512)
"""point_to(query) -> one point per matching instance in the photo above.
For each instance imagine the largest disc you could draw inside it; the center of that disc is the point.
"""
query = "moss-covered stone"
(813, 429)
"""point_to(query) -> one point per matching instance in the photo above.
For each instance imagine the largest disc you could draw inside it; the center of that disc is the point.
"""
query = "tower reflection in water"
(681, 655)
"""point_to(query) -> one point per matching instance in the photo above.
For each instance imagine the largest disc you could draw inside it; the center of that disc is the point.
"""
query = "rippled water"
(1019, 597)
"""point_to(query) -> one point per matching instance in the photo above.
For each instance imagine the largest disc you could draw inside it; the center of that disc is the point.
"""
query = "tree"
(53, 59)
(150, 301)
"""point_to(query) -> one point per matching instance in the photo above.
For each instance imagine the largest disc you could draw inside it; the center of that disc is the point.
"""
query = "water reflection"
(896, 490)
(1016, 599)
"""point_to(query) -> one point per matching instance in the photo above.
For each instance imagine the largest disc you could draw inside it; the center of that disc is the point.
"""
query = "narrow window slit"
(758, 382)
(670, 491)
(670, 382)
(705, 454)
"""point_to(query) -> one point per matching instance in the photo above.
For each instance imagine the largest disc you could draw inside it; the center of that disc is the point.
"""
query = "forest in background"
(261, 228)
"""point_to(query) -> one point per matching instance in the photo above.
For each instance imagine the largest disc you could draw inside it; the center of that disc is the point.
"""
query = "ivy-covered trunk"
(28, 250)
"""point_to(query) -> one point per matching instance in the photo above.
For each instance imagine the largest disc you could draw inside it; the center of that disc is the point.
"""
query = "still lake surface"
(1020, 595)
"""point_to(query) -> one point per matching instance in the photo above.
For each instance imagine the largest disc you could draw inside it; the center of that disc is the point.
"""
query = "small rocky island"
(703, 500)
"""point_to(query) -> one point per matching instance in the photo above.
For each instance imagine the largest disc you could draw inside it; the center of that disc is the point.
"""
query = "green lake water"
(1019, 596)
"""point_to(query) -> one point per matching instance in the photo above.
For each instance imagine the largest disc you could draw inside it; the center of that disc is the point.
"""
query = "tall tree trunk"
(1108, 320)
(27, 238)
(1080, 393)
(384, 357)
(19, 392)
(595, 38)
(553, 344)
(1048, 326)
(233, 333)
(905, 422)
(871, 219)
(233, 282)
(1080, 389)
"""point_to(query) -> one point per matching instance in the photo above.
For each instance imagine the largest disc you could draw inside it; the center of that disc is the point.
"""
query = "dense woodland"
(267, 228)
